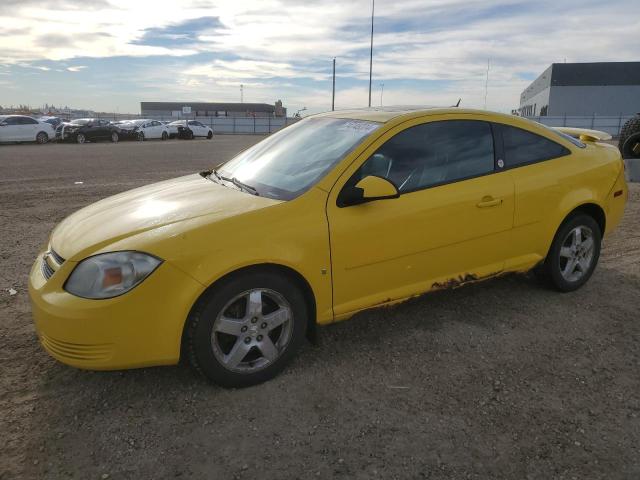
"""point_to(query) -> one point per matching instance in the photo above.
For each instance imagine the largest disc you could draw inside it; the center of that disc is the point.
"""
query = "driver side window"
(433, 154)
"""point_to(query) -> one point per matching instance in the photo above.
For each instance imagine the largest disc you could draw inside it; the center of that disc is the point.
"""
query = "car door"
(28, 129)
(91, 130)
(10, 132)
(541, 177)
(450, 223)
(104, 129)
(156, 129)
(198, 128)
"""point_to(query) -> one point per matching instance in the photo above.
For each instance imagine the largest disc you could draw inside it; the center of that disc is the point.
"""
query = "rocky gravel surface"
(499, 380)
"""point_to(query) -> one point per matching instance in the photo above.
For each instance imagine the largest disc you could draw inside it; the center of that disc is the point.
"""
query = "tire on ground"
(550, 270)
(199, 328)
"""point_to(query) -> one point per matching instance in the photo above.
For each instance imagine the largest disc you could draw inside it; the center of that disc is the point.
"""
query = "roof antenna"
(458, 104)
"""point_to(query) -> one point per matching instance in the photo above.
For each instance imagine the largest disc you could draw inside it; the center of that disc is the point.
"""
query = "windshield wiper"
(220, 178)
(237, 183)
(244, 186)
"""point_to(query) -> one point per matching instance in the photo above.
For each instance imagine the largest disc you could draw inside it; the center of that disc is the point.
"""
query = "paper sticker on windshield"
(359, 126)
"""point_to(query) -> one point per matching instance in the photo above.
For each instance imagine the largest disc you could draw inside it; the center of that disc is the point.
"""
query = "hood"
(147, 208)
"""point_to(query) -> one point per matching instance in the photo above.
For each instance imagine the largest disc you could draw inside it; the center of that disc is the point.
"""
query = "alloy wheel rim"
(576, 253)
(252, 330)
(114, 137)
(81, 138)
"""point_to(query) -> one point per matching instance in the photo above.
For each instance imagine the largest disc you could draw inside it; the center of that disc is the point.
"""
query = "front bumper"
(140, 328)
(65, 134)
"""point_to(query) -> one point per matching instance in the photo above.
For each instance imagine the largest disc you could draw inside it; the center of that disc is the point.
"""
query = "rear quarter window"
(522, 147)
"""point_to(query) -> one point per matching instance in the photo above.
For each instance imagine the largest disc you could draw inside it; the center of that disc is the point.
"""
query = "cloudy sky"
(111, 54)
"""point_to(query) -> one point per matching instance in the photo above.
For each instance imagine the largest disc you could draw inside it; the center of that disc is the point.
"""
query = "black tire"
(626, 144)
(81, 138)
(198, 333)
(551, 270)
(210, 135)
(631, 146)
(191, 136)
(165, 135)
(115, 138)
(42, 138)
(141, 137)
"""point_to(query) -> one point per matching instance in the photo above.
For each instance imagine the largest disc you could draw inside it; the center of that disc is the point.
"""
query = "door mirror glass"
(368, 189)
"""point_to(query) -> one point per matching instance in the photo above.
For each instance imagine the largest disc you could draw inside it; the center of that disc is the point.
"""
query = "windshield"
(291, 161)
(81, 121)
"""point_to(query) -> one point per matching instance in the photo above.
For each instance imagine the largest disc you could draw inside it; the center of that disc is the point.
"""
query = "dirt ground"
(503, 379)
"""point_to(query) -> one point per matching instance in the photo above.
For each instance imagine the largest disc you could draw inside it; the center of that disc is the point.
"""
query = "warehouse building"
(605, 88)
(207, 109)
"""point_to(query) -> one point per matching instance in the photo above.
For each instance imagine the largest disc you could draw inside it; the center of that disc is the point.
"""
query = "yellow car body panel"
(353, 258)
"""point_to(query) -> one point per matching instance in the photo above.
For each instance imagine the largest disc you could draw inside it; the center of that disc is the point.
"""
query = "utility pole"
(381, 92)
(373, 6)
(241, 93)
(333, 93)
(486, 85)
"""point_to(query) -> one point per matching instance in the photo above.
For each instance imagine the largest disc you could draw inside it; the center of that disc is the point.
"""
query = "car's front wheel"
(42, 138)
(574, 253)
(246, 329)
(210, 135)
(80, 138)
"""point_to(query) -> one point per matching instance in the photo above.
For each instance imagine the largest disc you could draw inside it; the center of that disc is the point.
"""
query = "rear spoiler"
(584, 134)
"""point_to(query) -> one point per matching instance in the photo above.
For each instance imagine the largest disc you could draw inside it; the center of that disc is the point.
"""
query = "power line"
(373, 6)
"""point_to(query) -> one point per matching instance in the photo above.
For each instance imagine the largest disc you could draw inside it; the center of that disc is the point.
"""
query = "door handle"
(489, 201)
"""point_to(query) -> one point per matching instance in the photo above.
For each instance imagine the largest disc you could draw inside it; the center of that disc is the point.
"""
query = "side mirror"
(368, 189)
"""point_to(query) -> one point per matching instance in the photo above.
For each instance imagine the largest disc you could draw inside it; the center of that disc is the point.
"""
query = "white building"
(581, 89)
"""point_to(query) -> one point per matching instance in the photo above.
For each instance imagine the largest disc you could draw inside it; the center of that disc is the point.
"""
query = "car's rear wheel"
(246, 330)
(80, 138)
(574, 253)
(210, 135)
(42, 138)
(115, 137)
(165, 135)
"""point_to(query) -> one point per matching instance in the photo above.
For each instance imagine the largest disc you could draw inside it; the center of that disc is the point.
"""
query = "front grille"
(47, 271)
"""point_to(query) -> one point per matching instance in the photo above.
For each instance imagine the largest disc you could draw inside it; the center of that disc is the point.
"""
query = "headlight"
(110, 274)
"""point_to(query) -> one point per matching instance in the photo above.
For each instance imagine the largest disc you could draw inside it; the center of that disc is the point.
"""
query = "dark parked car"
(88, 129)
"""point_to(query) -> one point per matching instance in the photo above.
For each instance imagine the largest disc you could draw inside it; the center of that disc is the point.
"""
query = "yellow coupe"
(233, 268)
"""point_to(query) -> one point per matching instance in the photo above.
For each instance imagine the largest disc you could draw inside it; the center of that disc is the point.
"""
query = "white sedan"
(196, 128)
(20, 128)
(144, 129)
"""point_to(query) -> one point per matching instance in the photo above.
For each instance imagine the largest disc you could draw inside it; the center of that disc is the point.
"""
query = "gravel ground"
(503, 379)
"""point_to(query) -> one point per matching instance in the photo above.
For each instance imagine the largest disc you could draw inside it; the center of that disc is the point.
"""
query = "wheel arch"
(593, 210)
(590, 208)
(295, 276)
